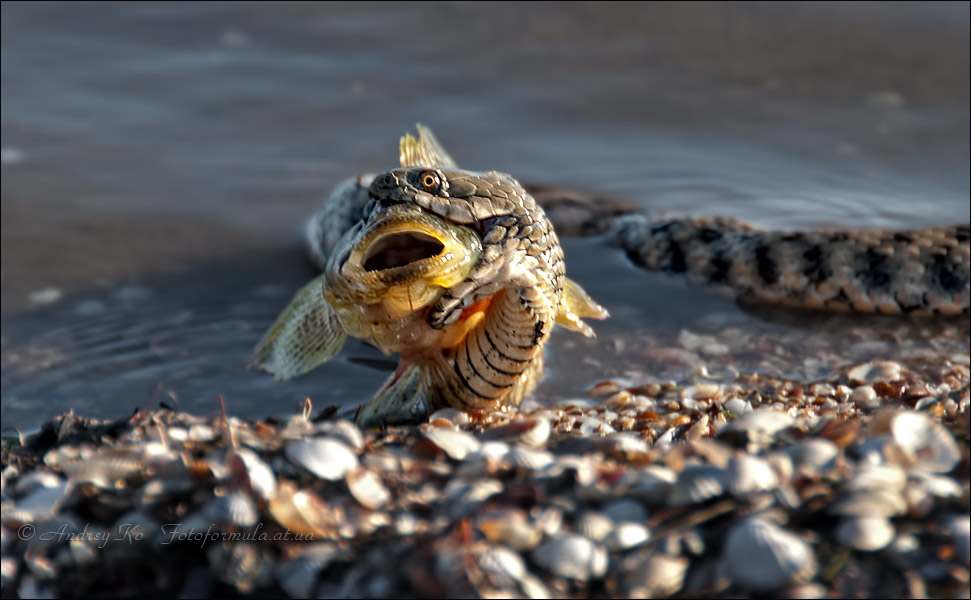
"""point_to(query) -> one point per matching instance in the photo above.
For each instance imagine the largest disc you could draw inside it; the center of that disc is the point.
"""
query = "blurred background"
(159, 159)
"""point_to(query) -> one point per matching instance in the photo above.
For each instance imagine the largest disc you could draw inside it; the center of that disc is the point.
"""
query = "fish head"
(390, 268)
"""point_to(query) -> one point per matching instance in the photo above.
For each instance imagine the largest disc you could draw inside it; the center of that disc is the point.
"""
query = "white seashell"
(452, 415)
(881, 370)
(959, 528)
(44, 502)
(814, 454)
(367, 488)
(737, 406)
(761, 556)
(457, 444)
(627, 535)
(534, 588)
(572, 557)
(657, 576)
(39, 478)
(528, 458)
(261, 477)
(926, 444)
(697, 484)
(345, 431)
(594, 525)
(510, 527)
(625, 510)
(748, 474)
(502, 563)
(865, 396)
(233, 508)
(652, 483)
(885, 477)
(201, 433)
(867, 534)
(876, 502)
(940, 486)
(760, 426)
(325, 458)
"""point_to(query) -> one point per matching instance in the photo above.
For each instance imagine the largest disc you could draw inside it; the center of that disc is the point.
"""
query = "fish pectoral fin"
(576, 305)
(406, 397)
(306, 335)
(426, 151)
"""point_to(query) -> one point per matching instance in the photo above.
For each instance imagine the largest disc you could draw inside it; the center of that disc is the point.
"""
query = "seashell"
(652, 483)
(33, 480)
(656, 576)
(748, 474)
(759, 426)
(159, 490)
(628, 447)
(452, 415)
(261, 478)
(697, 484)
(533, 587)
(303, 512)
(869, 477)
(625, 510)
(8, 573)
(234, 509)
(866, 534)
(761, 556)
(814, 454)
(737, 406)
(865, 396)
(511, 528)
(367, 488)
(959, 528)
(701, 391)
(42, 503)
(924, 442)
(238, 564)
(881, 370)
(342, 430)
(594, 525)
(325, 458)
(455, 443)
(572, 557)
(200, 432)
(939, 486)
(103, 469)
(298, 575)
(877, 502)
(505, 566)
(528, 458)
(627, 535)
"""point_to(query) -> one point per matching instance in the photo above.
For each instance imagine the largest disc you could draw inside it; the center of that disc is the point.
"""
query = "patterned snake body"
(462, 274)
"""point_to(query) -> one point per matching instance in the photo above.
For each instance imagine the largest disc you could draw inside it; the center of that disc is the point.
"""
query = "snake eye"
(430, 181)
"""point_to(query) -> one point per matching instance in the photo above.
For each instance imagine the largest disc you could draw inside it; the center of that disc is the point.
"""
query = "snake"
(484, 261)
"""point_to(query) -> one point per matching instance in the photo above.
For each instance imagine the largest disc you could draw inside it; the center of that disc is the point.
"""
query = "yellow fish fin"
(306, 335)
(426, 151)
(406, 397)
(576, 305)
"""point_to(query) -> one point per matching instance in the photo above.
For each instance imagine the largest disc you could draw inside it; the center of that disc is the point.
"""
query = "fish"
(458, 272)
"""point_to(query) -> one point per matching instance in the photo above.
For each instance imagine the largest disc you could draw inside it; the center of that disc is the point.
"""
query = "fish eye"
(429, 181)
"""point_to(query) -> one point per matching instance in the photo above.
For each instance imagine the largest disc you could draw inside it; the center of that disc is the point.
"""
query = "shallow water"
(158, 161)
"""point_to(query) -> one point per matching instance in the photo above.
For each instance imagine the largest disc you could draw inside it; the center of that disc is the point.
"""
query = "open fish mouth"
(400, 249)
(401, 262)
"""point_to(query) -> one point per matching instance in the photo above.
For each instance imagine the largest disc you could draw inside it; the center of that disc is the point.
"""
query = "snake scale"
(477, 340)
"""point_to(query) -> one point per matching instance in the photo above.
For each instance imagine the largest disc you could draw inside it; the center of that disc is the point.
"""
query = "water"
(158, 161)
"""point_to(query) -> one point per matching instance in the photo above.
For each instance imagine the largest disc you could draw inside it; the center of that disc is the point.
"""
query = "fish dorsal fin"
(426, 151)
(576, 305)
